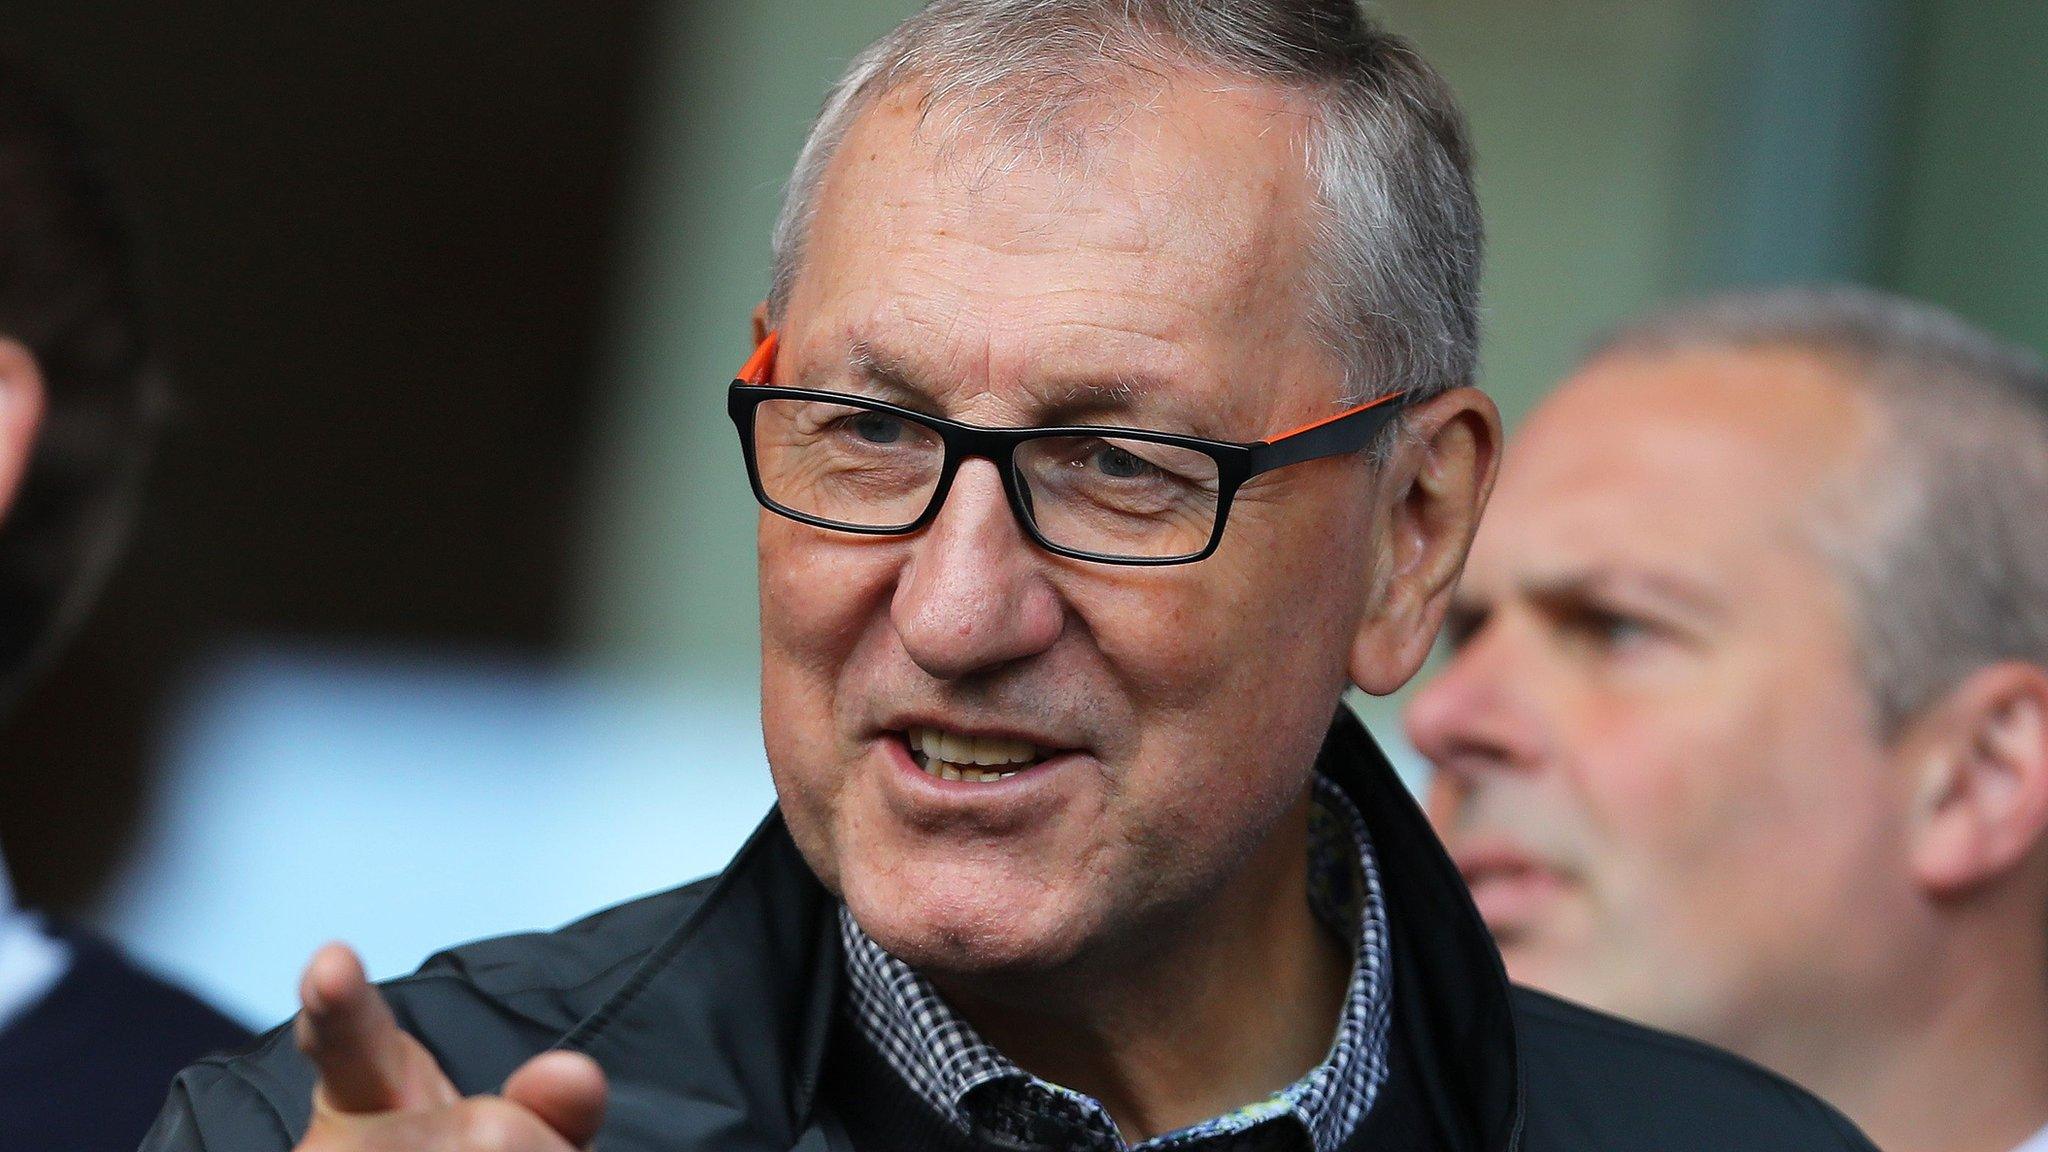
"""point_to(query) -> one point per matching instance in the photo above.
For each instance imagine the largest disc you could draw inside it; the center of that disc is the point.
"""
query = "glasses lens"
(844, 464)
(1133, 499)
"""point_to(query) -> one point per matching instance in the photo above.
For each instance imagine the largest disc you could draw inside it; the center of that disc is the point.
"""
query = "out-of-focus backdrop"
(441, 621)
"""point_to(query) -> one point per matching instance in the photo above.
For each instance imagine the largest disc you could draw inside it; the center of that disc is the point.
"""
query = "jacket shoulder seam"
(234, 1068)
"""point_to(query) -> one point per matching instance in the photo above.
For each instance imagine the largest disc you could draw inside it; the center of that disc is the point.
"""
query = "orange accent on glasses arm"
(1315, 424)
(760, 366)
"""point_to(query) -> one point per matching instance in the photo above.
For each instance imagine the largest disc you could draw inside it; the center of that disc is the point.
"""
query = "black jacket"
(85, 1068)
(710, 1009)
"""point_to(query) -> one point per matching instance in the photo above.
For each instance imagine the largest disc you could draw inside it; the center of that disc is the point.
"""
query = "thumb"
(365, 1061)
(565, 1089)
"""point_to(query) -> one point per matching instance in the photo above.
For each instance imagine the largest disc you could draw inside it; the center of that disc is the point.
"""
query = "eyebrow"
(888, 372)
(1126, 396)
(1578, 586)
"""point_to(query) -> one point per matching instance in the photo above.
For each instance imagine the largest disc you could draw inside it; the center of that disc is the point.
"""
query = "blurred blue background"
(405, 803)
(442, 623)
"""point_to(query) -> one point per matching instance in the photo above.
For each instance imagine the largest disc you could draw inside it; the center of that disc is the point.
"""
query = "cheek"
(819, 599)
(1639, 778)
(1729, 780)
(1292, 576)
(1796, 741)
(820, 596)
(1236, 627)
(1817, 805)
(1657, 760)
(1236, 662)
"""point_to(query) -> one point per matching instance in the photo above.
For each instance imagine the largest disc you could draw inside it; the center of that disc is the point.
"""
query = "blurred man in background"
(87, 1040)
(1744, 732)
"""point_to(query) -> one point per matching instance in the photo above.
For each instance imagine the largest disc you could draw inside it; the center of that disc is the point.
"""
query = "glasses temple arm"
(760, 367)
(1344, 432)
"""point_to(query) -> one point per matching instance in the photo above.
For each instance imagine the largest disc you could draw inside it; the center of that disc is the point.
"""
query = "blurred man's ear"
(21, 416)
(1979, 764)
(1442, 466)
(760, 323)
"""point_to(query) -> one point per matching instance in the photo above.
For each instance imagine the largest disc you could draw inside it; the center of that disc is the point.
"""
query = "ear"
(760, 323)
(1978, 764)
(22, 400)
(1438, 477)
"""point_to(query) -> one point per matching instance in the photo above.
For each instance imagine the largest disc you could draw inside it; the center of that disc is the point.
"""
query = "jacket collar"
(717, 1039)
(1452, 1013)
(715, 1042)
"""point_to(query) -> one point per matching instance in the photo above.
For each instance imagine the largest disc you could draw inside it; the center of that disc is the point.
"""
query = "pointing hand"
(380, 1090)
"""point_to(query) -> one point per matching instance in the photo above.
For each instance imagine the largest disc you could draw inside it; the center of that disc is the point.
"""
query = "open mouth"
(971, 759)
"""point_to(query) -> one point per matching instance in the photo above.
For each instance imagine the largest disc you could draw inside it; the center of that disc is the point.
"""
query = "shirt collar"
(31, 960)
(965, 1079)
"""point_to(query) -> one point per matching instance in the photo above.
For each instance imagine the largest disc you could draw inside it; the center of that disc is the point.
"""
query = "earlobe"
(1980, 803)
(22, 399)
(1437, 484)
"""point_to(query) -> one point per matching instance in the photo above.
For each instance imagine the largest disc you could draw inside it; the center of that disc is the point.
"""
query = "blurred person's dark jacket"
(92, 1040)
(85, 1067)
(715, 1010)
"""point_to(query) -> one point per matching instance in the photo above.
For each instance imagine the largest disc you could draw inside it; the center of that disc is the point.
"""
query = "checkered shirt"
(963, 1078)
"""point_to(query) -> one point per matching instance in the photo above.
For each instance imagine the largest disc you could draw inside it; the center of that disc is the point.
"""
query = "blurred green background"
(1629, 152)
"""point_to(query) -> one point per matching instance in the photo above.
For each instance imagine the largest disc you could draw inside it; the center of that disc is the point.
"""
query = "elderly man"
(1067, 417)
(88, 1041)
(1745, 728)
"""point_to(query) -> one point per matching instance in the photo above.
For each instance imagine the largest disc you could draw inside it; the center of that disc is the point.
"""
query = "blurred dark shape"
(376, 241)
(65, 294)
(87, 1040)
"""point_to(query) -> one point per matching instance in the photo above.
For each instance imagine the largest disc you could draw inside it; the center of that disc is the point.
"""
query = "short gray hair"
(1398, 243)
(1941, 535)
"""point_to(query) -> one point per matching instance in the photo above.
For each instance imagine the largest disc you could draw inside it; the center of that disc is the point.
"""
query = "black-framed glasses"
(1111, 495)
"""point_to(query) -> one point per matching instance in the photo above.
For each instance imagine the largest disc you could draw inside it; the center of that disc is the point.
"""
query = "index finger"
(365, 1061)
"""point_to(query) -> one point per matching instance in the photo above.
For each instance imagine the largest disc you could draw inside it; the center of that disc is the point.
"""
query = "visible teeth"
(981, 750)
(994, 750)
(972, 759)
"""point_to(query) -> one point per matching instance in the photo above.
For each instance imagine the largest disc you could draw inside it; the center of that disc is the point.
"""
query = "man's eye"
(878, 427)
(1118, 464)
(1460, 626)
(1609, 630)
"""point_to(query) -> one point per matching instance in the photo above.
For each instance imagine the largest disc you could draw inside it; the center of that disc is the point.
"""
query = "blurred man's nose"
(974, 595)
(1477, 715)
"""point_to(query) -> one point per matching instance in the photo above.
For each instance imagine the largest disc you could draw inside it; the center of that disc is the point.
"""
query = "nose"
(974, 596)
(1476, 717)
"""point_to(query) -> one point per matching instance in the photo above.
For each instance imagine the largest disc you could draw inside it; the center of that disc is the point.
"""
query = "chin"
(940, 925)
(1549, 967)
(1624, 982)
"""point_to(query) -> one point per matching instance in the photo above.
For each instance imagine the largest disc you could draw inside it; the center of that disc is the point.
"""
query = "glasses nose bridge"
(994, 445)
(998, 446)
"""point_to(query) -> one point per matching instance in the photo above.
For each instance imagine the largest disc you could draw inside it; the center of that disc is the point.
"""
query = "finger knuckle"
(490, 1124)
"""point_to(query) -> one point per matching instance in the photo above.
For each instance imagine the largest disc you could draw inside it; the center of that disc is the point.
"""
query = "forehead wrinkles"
(1201, 189)
(1146, 169)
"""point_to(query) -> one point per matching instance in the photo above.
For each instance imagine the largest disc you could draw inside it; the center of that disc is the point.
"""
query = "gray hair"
(1397, 245)
(1941, 533)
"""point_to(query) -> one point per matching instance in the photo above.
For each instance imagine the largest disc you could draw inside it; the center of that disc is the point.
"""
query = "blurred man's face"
(1657, 762)
(1167, 716)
